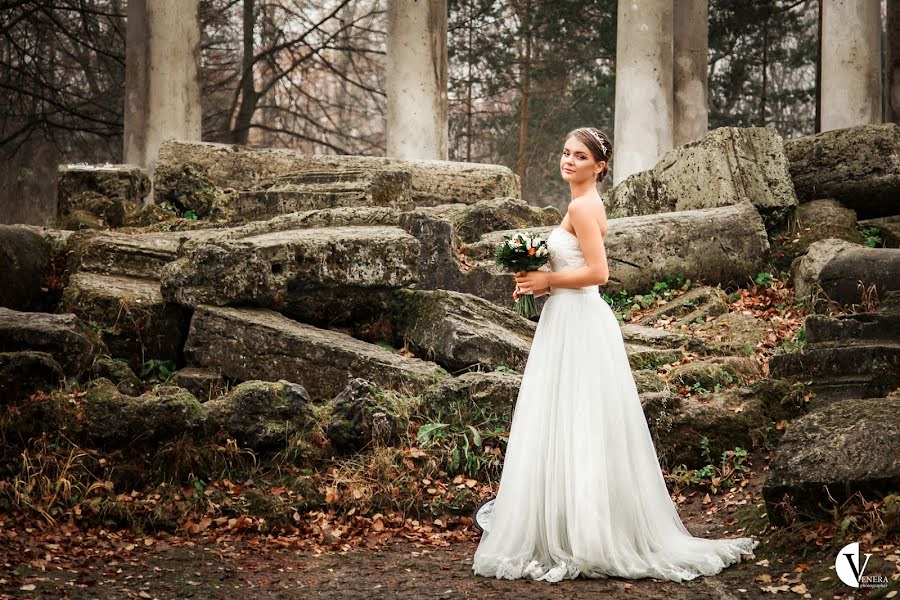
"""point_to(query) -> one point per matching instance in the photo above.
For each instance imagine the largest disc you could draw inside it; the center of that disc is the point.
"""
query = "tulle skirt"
(582, 492)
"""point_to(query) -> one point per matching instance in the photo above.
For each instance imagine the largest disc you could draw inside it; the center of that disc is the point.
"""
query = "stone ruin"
(276, 282)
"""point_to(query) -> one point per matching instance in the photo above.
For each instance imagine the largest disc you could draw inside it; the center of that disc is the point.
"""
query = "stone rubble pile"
(276, 282)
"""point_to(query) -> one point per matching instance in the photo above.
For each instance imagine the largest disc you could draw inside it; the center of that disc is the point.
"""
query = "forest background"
(310, 75)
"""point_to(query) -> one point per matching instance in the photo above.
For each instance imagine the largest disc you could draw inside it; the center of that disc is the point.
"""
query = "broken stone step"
(663, 338)
(135, 320)
(196, 174)
(141, 255)
(65, 337)
(864, 174)
(204, 384)
(729, 165)
(821, 329)
(881, 361)
(648, 357)
(329, 189)
(459, 331)
(256, 343)
(696, 303)
(832, 389)
(327, 275)
(833, 452)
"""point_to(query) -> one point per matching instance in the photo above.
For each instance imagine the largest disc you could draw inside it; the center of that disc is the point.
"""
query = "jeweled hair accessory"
(599, 139)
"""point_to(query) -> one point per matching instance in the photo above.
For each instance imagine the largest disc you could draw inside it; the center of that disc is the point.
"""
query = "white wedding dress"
(581, 491)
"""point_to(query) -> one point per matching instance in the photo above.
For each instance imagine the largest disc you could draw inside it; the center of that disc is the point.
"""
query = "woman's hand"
(532, 282)
(537, 293)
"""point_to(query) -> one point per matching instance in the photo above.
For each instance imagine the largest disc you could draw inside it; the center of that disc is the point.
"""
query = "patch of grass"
(872, 237)
(157, 371)
(665, 290)
(730, 470)
(795, 344)
(764, 278)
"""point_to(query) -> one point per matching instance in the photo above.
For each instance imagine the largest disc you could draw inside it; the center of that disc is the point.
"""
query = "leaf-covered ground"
(210, 521)
(390, 558)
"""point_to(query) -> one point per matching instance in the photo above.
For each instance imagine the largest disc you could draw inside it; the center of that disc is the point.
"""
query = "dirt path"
(174, 568)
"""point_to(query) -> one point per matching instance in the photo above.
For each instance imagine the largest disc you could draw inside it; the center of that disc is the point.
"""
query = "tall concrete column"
(162, 89)
(643, 121)
(417, 79)
(892, 64)
(851, 63)
(691, 57)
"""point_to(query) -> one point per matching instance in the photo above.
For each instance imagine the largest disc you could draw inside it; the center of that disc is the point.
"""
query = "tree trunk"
(469, 94)
(526, 83)
(765, 70)
(248, 98)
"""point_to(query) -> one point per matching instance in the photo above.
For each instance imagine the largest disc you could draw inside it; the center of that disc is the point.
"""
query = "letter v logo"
(849, 571)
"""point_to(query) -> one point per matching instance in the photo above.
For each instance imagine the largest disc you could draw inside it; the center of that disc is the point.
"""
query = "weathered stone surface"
(202, 383)
(113, 181)
(143, 253)
(65, 337)
(344, 216)
(253, 343)
(133, 255)
(734, 333)
(646, 380)
(362, 417)
(729, 165)
(316, 190)
(821, 330)
(728, 419)
(115, 420)
(642, 356)
(890, 234)
(840, 449)
(805, 269)
(724, 245)
(79, 219)
(858, 369)
(695, 304)
(493, 392)
(835, 271)
(358, 257)
(472, 221)
(137, 323)
(320, 275)
(666, 339)
(459, 331)
(262, 415)
(24, 373)
(857, 166)
(195, 174)
(25, 258)
(822, 219)
(108, 192)
(118, 371)
(703, 374)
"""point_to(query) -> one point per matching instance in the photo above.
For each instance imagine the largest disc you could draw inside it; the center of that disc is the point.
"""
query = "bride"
(581, 491)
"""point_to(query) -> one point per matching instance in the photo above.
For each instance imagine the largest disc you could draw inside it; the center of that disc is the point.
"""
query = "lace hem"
(505, 568)
(525, 568)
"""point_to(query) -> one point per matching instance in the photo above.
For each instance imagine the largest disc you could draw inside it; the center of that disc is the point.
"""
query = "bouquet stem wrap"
(523, 252)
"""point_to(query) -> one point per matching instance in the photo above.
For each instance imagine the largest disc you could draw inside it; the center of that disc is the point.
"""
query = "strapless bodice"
(565, 255)
(565, 251)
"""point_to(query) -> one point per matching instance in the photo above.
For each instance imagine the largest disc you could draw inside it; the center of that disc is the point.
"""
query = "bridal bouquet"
(523, 252)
